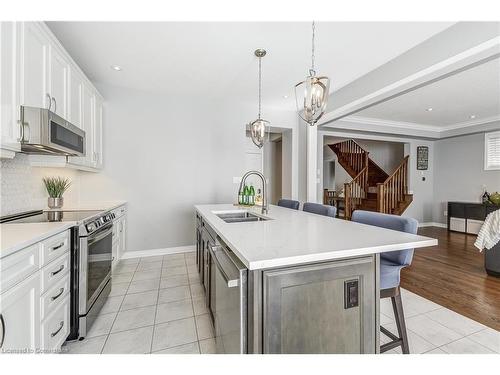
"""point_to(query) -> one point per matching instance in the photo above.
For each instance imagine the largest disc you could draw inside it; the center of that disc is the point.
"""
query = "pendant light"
(311, 95)
(258, 127)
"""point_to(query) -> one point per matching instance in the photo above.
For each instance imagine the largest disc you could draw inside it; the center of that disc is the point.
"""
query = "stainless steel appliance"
(230, 306)
(94, 268)
(44, 132)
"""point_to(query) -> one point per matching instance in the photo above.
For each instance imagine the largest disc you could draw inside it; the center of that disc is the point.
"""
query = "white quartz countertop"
(15, 237)
(294, 237)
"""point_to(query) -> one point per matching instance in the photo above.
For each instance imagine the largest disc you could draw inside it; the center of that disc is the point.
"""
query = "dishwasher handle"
(231, 283)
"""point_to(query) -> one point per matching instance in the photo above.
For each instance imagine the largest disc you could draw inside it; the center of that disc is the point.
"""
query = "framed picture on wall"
(422, 158)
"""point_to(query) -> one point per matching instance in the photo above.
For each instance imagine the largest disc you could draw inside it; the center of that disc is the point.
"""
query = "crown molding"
(391, 123)
(475, 122)
(437, 131)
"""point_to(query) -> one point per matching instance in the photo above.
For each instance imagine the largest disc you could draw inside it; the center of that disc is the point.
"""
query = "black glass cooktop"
(48, 216)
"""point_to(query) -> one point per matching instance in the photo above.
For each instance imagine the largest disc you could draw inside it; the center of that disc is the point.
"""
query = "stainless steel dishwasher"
(230, 308)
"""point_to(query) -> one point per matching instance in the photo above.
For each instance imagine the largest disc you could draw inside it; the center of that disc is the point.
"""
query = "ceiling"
(471, 96)
(216, 60)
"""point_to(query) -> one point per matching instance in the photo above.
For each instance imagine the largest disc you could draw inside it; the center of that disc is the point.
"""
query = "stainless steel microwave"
(44, 132)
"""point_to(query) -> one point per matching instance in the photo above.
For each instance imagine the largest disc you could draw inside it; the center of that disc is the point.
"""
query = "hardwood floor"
(452, 274)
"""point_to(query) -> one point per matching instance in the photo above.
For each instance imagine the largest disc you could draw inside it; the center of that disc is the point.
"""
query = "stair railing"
(353, 154)
(355, 191)
(394, 189)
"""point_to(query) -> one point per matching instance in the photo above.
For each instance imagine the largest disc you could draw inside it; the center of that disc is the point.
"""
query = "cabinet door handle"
(21, 131)
(58, 246)
(61, 325)
(50, 100)
(55, 104)
(61, 291)
(59, 270)
(2, 326)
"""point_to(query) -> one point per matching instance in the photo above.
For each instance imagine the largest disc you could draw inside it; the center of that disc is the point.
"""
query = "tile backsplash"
(22, 187)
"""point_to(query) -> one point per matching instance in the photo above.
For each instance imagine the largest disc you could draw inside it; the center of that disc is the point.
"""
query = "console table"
(467, 217)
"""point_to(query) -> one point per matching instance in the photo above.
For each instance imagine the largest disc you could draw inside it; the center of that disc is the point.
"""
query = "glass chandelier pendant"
(258, 127)
(311, 95)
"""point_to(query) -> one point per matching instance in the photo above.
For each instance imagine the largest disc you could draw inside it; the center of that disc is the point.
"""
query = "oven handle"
(97, 236)
(231, 283)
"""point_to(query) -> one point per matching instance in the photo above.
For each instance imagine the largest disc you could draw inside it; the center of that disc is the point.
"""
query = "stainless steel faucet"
(265, 203)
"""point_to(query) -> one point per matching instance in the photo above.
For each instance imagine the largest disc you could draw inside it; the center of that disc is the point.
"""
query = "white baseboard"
(432, 224)
(155, 252)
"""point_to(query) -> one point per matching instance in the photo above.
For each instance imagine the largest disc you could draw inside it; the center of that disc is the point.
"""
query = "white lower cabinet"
(35, 307)
(119, 236)
(20, 317)
(55, 327)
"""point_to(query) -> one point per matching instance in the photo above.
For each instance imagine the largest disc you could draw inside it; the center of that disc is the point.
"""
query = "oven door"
(95, 265)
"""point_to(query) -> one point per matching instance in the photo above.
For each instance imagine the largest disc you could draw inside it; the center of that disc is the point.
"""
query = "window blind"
(492, 150)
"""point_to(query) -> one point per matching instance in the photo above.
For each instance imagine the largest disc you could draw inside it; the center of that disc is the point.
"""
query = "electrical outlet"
(445, 213)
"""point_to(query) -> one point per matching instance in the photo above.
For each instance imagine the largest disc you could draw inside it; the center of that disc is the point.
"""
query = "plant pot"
(55, 202)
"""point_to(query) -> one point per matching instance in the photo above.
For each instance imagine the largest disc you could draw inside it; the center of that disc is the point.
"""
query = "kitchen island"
(291, 281)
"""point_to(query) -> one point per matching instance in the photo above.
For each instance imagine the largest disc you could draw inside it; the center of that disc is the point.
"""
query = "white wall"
(164, 155)
(460, 174)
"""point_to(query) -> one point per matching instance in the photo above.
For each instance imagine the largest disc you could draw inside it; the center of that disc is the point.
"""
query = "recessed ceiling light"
(116, 67)
(285, 96)
(429, 109)
(472, 117)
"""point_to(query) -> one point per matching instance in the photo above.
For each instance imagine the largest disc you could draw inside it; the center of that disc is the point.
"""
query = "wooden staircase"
(371, 188)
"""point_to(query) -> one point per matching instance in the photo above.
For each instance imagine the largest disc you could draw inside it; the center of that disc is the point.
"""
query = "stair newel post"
(347, 198)
(380, 197)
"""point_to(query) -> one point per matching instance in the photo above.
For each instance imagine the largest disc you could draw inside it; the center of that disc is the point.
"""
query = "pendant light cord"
(260, 83)
(312, 49)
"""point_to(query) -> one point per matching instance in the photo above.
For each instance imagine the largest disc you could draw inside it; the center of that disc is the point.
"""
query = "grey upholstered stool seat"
(289, 203)
(320, 209)
(391, 264)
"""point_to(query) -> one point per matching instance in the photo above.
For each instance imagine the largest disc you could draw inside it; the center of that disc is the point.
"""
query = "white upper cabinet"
(8, 101)
(58, 79)
(75, 97)
(36, 71)
(88, 121)
(98, 112)
(34, 52)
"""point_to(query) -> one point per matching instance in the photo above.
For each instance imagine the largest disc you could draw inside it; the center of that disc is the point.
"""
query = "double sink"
(240, 217)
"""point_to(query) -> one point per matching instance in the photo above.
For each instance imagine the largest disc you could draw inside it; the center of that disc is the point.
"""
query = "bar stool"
(289, 203)
(320, 209)
(391, 264)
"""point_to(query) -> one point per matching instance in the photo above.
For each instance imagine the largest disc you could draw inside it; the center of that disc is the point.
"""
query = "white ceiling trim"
(391, 123)
(435, 131)
(475, 122)
(488, 48)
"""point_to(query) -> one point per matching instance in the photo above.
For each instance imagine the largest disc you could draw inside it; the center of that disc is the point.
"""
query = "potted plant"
(56, 186)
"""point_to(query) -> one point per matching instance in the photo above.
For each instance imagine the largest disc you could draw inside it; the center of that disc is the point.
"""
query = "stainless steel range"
(94, 281)
(91, 257)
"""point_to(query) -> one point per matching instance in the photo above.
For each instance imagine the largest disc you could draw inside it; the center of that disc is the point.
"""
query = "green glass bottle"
(251, 196)
(246, 193)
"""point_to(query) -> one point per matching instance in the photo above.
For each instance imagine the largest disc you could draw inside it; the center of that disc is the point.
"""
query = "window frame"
(488, 136)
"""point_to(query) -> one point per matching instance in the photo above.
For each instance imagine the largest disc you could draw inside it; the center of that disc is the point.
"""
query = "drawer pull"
(61, 291)
(2, 336)
(58, 246)
(59, 270)
(61, 325)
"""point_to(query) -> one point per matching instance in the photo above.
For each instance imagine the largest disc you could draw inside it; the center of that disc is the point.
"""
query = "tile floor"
(157, 305)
